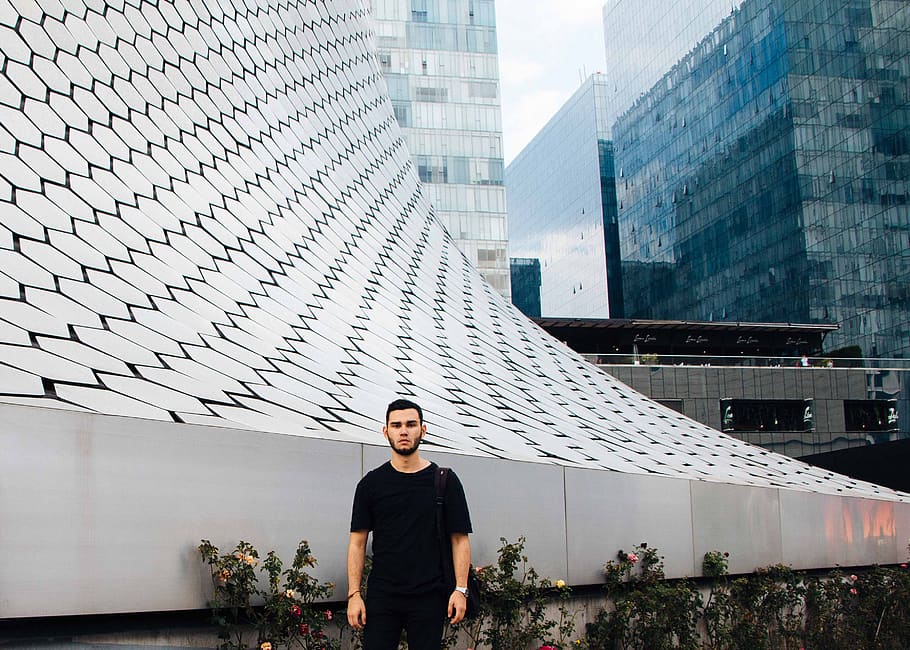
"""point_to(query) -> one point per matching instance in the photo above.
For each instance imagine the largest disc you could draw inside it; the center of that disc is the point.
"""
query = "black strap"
(442, 475)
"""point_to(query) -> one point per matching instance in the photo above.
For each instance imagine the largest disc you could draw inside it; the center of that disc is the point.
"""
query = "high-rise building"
(766, 176)
(562, 208)
(643, 39)
(439, 59)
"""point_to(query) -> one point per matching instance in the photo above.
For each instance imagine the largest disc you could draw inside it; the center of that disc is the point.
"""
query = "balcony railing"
(743, 360)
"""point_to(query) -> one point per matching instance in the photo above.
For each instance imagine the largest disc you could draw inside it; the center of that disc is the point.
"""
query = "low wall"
(102, 514)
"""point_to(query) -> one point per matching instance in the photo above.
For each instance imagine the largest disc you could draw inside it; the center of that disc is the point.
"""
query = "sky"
(546, 49)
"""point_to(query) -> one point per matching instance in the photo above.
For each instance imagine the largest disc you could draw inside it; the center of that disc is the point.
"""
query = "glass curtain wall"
(643, 39)
(562, 209)
(765, 176)
(439, 59)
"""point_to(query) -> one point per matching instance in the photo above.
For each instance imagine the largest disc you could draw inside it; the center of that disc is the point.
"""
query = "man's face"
(404, 431)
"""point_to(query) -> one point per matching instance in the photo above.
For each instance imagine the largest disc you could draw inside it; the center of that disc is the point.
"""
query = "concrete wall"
(102, 514)
(699, 390)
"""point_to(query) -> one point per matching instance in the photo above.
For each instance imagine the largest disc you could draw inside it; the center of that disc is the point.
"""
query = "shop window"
(766, 415)
(870, 415)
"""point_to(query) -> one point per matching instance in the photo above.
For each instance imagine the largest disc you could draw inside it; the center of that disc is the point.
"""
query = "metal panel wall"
(825, 531)
(93, 504)
(745, 521)
(608, 511)
(102, 514)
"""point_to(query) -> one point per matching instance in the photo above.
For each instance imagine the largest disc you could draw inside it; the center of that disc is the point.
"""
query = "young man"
(397, 502)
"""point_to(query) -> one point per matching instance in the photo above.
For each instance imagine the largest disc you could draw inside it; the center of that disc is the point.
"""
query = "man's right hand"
(357, 612)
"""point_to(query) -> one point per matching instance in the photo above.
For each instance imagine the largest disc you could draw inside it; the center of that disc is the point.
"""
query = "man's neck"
(408, 464)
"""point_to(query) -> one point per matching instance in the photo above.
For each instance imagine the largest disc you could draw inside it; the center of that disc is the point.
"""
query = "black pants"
(422, 617)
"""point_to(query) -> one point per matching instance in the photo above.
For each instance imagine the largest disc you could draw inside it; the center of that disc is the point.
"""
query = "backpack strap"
(448, 571)
(442, 476)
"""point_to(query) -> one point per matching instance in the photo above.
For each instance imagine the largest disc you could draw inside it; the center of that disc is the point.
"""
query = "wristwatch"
(463, 590)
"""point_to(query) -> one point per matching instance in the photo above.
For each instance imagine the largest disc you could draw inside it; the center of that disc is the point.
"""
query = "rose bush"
(283, 614)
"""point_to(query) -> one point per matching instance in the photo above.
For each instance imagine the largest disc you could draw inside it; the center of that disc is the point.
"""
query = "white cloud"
(546, 48)
(525, 112)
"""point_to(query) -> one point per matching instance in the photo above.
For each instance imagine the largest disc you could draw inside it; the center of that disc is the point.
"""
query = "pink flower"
(631, 557)
(295, 610)
(904, 565)
(548, 647)
(328, 614)
(304, 628)
(854, 591)
(853, 578)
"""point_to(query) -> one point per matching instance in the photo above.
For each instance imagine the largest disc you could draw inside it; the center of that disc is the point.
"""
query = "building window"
(870, 415)
(766, 415)
(437, 95)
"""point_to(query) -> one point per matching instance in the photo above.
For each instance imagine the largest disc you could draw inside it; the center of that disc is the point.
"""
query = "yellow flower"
(289, 593)
(265, 645)
(560, 584)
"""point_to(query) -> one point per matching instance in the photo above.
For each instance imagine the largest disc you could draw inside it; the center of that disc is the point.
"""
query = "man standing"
(407, 589)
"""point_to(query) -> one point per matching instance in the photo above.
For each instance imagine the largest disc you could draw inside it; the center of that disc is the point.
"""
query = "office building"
(643, 39)
(764, 177)
(440, 62)
(562, 209)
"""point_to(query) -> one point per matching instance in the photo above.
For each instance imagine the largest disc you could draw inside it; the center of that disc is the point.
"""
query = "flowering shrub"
(871, 610)
(773, 608)
(285, 614)
(648, 611)
(514, 600)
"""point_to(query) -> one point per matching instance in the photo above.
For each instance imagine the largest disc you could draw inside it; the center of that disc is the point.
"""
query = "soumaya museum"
(227, 243)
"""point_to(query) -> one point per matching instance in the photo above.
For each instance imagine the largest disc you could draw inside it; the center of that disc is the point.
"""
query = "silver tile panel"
(743, 521)
(609, 511)
(135, 497)
(824, 531)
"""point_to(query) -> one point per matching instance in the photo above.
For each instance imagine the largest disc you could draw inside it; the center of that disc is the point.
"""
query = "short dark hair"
(401, 405)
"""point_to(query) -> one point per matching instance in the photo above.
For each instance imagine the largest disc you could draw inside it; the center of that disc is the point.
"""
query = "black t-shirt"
(400, 510)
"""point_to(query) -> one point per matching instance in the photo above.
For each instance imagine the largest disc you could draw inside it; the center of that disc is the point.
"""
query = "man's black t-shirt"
(400, 510)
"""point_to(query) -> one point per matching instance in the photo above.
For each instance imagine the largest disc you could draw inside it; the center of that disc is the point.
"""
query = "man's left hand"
(458, 602)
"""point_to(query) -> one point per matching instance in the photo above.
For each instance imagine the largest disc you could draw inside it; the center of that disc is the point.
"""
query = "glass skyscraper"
(562, 209)
(439, 59)
(765, 176)
(643, 39)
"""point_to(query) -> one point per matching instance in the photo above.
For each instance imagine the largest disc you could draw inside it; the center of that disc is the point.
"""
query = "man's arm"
(357, 548)
(461, 561)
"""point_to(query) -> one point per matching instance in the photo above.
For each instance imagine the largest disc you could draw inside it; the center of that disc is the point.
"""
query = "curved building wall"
(217, 266)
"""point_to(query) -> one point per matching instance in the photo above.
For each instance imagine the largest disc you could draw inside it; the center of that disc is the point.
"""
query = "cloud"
(514, 71)
(525, 112)
(546, 49)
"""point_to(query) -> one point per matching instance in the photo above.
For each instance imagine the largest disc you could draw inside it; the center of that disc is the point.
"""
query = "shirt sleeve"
(458, 519)
(361, 513)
